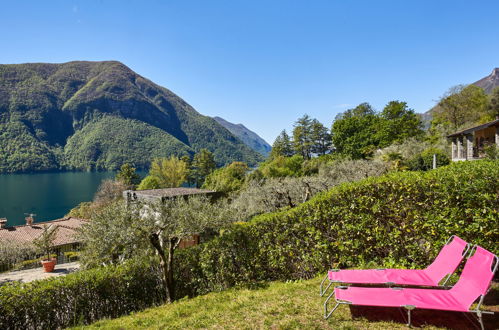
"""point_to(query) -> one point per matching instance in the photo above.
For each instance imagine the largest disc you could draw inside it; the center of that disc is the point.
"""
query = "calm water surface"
(49, 195)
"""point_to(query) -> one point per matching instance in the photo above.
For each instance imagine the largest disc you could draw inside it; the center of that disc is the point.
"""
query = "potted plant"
(45, 245)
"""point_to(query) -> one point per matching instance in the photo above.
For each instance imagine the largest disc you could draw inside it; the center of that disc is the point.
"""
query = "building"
(65, 239)
(469, 144)
(161, 195)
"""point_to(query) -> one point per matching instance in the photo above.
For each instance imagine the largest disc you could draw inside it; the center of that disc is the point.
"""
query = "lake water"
(49, 195)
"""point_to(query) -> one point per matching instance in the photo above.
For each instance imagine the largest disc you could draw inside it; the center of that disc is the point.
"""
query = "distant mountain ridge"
(250, 138)
(98, 115)
(490, 82)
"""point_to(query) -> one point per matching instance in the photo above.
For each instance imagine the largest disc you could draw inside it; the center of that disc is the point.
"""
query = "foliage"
(99, 115)
(398, 123)
(281, 166)
(358, 132)
(108, 192)
(169, 172)
(283, 146)
(424, 160)
(13, 252)
(354, 132)
(202, 165)
(402, 219)
(321, 139)
(128, 175)
(149, 182)
(462, 106)
(227, 179)
(491, 151)
(120, 232)
(303, 142)
(270, 195)
(45, 242)
(493, 107)
(81, 297)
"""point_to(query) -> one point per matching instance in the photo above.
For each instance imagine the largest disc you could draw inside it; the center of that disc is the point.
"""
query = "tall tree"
(202, 165)
(228, 178)
(354, 132)
(128, 175)
(302, 136)
(398, 122)
(169, 172)
(462, 106)
(321, 138)
(282, 146)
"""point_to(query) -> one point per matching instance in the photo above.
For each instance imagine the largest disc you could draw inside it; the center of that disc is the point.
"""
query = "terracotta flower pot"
(48, 265)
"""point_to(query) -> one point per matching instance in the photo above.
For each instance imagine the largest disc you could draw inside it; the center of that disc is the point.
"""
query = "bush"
(80, 298)
(424, 160)
(402, 219)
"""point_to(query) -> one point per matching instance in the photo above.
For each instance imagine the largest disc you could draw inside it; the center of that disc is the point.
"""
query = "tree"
(120, 232)
(45, 242)
(169, 172)
(128, 175)
(302, 136)
(398, 122)
(493, 107)
(353, 133)
(149, 182)
(282, 146)
(202, 165)
(462, 106)
(321, 139)
(227, 179)
(108, 192)
(282, 166)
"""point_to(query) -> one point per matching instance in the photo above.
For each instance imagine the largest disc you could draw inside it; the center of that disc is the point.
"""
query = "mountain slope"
(250, 138)
(490, 82)
(45, 110)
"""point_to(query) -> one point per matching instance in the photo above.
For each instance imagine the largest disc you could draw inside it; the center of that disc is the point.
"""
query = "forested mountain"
(99, 115)
(250, 138)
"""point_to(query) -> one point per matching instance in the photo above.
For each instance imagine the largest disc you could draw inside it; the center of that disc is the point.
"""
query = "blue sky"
(266, 63)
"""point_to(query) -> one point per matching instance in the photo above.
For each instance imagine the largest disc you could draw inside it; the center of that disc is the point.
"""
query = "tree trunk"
(166, 263)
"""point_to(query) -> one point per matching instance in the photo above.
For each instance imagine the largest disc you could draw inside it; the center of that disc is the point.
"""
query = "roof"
(476, 128)
(27, 234)
(173, 192)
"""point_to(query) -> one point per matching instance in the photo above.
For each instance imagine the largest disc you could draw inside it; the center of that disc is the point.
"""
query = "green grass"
(275, 305)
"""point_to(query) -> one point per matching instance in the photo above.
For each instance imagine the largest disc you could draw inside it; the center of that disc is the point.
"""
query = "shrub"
(424, 160)
(402, 219)
(81, 297)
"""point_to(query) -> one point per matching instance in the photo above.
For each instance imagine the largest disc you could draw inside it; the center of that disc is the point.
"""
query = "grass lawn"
(280, 305)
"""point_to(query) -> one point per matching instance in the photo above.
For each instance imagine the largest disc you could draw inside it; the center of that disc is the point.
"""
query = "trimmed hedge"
(400, 219)
(80, 298)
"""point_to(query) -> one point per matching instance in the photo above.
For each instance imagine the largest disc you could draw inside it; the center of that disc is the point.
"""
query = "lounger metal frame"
(409, 308)
(322, 290)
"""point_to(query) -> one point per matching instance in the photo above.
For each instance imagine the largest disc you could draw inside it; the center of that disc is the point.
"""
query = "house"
(161, 195)
(65, 238)
(469, 144)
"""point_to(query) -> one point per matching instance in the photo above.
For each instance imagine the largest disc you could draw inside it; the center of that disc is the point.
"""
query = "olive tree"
(122, 231)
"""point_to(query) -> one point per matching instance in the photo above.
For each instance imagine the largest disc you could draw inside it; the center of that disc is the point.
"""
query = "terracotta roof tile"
(27, 234)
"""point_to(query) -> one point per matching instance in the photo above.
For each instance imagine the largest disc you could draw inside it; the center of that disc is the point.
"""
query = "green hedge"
(400, 219)
(79, 298)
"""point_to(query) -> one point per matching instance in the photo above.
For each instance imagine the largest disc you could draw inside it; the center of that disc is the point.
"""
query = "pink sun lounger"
(473, 284)
(444, 264)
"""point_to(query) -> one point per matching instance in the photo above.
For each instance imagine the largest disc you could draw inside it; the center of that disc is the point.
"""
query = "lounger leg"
(479, 314)
(409, 308)
(322, 292)
(326, 314)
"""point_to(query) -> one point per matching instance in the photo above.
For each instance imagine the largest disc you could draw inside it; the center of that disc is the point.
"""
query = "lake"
(49, 195)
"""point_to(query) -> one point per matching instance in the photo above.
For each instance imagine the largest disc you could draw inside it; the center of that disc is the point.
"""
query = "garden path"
(38, 273)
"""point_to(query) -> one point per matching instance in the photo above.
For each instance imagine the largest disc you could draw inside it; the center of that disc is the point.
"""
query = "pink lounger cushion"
(445, 263)
(474, 282)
